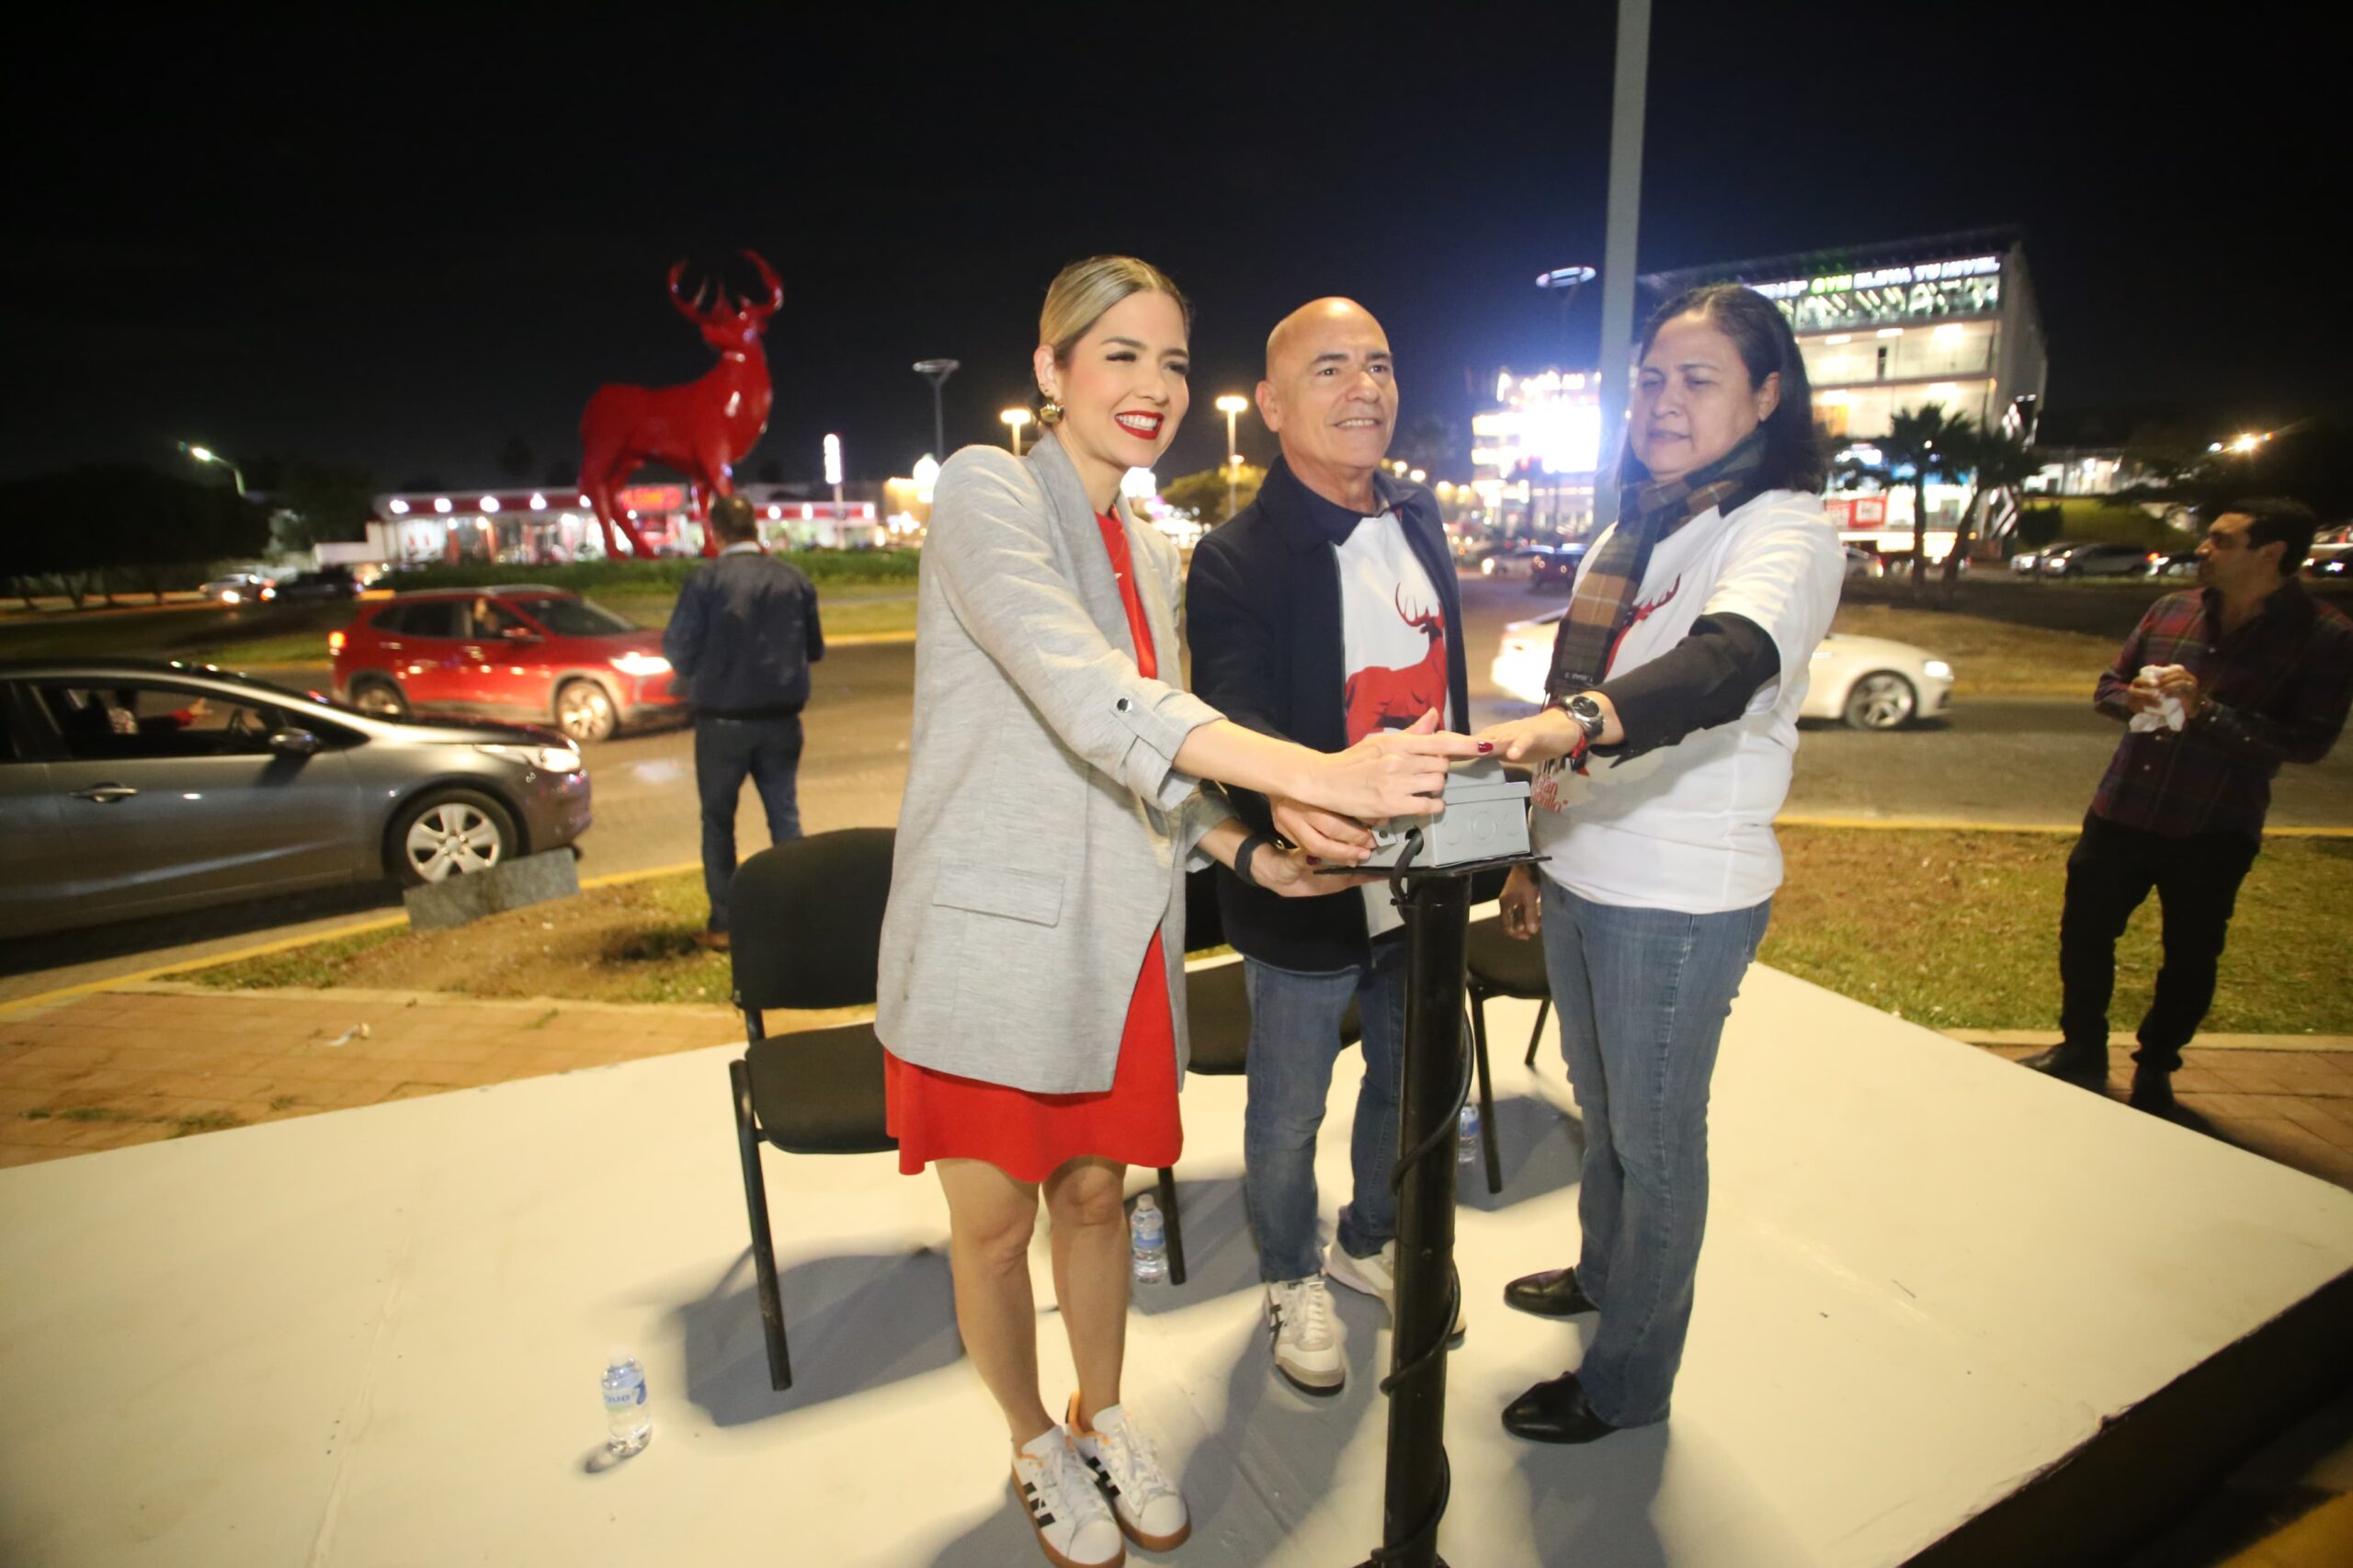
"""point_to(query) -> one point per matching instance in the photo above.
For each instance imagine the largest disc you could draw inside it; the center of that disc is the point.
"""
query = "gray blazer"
(1045, 829)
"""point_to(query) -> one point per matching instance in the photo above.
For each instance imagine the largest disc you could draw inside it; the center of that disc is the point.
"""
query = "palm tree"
(1996, 460)
(1930, 441)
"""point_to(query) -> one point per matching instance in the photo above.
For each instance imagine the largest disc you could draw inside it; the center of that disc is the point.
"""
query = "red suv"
(520, 651)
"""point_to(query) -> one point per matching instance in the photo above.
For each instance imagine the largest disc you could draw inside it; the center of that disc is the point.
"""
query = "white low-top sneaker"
(1376, 1277)
(1306, 1336)
(1075, 1526)
(1149, 1508)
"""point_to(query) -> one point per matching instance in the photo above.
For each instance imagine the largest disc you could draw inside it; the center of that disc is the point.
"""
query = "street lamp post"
(1231, 404)
(937, 372)
(833, 476)
(207, 455)
(1014, 418)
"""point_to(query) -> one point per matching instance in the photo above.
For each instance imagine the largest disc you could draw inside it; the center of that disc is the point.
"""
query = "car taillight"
(334, 641)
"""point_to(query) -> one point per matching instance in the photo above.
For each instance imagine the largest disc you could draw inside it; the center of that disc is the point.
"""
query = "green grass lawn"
(1960, 930)
(1949, 930)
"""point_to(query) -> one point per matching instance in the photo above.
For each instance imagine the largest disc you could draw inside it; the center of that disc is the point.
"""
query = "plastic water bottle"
(627, 1423)
(1148, 1227)
(1466, 1139)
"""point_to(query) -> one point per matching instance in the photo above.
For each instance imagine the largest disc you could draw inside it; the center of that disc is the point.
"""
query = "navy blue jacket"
(744, 636)
(1262, 616)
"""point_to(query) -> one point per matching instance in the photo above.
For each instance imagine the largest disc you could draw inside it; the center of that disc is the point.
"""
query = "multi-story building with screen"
(1884, 328)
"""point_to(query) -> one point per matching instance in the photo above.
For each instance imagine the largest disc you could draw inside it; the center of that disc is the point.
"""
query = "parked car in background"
(130, 789)
(2179, 563)
(1863, 565)
(2101, 561)
(240, 587)
(1866, 683)
(522, 652)
(2330, 563)
(1556, 567)
(327, 583)
(2030, 563)
(1517, 561)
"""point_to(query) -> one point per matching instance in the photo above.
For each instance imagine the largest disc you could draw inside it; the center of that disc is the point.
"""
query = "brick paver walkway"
(160, 1061)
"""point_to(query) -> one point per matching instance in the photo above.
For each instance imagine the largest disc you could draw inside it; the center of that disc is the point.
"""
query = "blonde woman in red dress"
(1033, 966)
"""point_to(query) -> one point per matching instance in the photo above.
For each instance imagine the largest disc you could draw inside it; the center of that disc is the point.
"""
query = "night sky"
(400, 249)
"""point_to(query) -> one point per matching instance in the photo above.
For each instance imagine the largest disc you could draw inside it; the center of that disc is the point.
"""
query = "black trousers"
(2109, 874)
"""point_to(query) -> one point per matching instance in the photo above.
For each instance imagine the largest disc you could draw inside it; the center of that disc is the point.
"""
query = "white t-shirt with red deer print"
(1392, 650)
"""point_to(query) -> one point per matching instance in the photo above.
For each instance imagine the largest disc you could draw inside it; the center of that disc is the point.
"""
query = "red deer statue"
(1381, 699)
(702, 429)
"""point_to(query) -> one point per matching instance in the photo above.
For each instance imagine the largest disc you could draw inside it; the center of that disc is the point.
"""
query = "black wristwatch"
(1588, 715)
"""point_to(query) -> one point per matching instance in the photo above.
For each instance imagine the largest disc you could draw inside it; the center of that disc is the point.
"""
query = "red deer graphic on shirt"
(1642, 613)
(1385, 698)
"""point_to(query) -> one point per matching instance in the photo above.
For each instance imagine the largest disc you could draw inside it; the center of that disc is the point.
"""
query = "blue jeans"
(767, 751)
(1641, 996)
(1294, 1039)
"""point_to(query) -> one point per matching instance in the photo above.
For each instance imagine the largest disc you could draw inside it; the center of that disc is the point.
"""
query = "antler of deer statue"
(702, 429)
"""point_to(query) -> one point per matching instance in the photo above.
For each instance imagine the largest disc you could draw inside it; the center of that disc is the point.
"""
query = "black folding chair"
(806, 922)
(1498, 965)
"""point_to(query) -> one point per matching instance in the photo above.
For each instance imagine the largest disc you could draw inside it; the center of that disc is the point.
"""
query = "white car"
(1516, 562)
(1866, 683)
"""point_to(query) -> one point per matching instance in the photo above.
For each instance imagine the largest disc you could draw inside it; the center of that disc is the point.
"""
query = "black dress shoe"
(1551, 1294)
(2083, 1068)
(2152, 1091)
(1555, 1412)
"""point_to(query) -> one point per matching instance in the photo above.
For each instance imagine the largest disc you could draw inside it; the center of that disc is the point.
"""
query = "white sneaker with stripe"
(1075, 1526)
(1149, 1508)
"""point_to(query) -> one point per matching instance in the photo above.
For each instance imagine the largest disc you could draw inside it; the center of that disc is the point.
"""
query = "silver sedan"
(132, 789)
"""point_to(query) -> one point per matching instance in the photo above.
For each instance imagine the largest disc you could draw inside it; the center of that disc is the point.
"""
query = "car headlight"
(636, 664)
(547, 760)
(1938, 669)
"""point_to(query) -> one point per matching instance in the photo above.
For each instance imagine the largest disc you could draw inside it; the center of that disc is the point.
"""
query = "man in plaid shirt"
(2259, 673)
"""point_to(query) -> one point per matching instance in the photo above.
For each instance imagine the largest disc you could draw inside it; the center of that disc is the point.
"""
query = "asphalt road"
(2019, 760)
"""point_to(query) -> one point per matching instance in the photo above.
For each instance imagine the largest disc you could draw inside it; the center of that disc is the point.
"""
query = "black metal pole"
(1436, 1079)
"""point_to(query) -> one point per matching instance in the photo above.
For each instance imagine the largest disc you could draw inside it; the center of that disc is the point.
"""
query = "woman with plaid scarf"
(1663, 752)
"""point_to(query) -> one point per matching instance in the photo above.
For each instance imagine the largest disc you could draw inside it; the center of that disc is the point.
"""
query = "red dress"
(938, 1116)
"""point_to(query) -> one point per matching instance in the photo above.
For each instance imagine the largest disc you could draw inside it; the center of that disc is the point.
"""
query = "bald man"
(1324, 610)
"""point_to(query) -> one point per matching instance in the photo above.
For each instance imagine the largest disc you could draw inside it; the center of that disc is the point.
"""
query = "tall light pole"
(937, 372)
(834, 475)
(1014, 418)
(1565, 281)
(1231, 404)
(207, 455)
(1624, 209)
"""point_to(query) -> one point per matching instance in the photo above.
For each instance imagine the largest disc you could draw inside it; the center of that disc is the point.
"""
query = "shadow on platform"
(854, 1322)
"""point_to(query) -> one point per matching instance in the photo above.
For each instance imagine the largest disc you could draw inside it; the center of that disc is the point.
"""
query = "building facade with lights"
(533, 526)
(1884, 329)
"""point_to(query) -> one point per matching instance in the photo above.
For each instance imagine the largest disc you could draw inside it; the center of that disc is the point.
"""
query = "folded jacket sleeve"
(990, 544)
(1707, 679)
(1769, 610)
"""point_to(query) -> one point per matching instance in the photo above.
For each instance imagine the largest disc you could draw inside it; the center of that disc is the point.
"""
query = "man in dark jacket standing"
(2218, 689)
(741, 640)
(1323, 611)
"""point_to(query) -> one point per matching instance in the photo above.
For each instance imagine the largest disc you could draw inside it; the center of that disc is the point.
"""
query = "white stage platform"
(373, 1338)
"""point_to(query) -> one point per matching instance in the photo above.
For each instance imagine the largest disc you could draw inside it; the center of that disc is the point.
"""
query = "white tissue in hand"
(2167, 714)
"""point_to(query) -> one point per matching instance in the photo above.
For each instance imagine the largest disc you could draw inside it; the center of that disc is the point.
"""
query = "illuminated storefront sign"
(1966, 286)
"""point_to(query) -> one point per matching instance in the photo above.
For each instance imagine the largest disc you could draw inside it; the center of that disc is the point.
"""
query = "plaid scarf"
(1606, 591)
(1603, 605)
